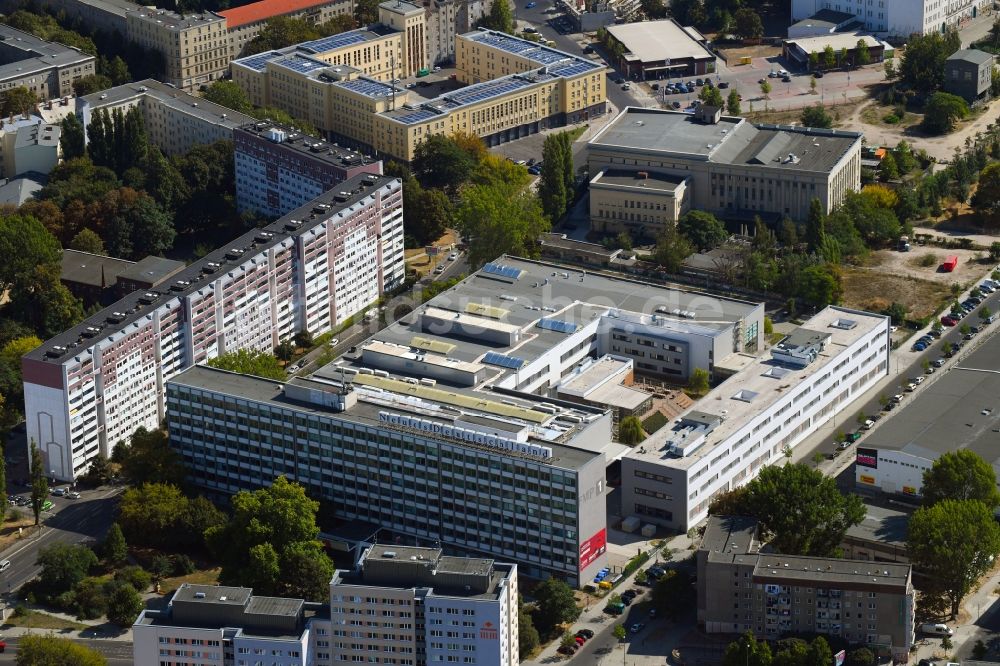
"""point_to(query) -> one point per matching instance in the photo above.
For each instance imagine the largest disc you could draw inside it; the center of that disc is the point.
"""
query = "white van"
(868, 424)
(935, 629)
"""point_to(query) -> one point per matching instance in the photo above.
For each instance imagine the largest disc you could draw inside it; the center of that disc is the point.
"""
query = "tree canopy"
(953, 543)
(251, 362)
(439, 161)
(942, 111)
(703, 229)
(801, 509)
(272, 533)
(148, 458)
(816, 116)
(64, 565)
(922, 67)
(961, 475)
(500, 17)
(747, 651)
(49, 650)
(986, 200)
(630, 431)
(554, 605)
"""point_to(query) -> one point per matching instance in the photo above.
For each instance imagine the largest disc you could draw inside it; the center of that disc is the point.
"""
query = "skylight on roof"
(776, 373)
(844, 324)
(745, 395)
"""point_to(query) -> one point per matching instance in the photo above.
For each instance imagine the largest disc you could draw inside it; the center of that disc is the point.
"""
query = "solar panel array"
(504, 361)
(415, 116)
(302, 64)
(546, 56)
(258, 62)
(335, 42)
(367, 87)
(571, 68)
(502, 271)
(557, 325)
(506, 43)
(481, 91)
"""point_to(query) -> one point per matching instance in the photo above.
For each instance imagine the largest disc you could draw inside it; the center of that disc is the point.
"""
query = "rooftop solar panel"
(503, 271)
(546, 57)
(502, 360)
(302, 64)
(557, 325)
(334, 42)
(571, 68)
(368, 88)
(259, 62)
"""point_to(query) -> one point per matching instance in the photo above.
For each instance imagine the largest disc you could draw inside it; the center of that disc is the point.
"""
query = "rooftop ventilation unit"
(148, 298)
(389, 554)
(180, 285)
(55, 352)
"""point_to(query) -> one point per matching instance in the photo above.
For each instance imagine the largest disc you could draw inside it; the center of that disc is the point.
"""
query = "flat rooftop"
(92, 269)
(833, 571)
(24, 53)
(168, 96)
(733, 140)
(883, 525)
(309, 147)
(837, 40)
(751, 391)
(957, 409)
(650, 180)
(562, 242)
(658, 41)
(727, 536)
(152, 269)
(201, 274)
(172, 20)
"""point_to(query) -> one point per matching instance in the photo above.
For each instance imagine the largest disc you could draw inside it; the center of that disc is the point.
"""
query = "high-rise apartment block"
(279, 169)
(93, 385)
(400, 605)
(47, 69)
(743, 588)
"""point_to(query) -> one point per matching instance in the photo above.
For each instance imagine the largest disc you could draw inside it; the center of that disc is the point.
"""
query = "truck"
(949, 264)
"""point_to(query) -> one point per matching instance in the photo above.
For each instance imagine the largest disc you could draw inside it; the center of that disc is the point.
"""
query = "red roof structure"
(265, 9)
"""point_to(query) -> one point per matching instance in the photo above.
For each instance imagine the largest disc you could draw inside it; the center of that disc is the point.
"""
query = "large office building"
(448, 426)
(342, 86)
(90, 387)
(47, 69)
(175, 121)
(450, 609)
(723, 164)
(279, 169)
(766, 408)
(898, 18)
(195, 47)
(246, 21)
(953, 411)
(743, 587)
(398, 605)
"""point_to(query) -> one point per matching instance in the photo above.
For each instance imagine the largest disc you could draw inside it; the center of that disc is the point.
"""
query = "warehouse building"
(660, 50)
(723, 164)
(448, 425)
(741, 587)
(956, 411)
(763, 410)
(91, 386)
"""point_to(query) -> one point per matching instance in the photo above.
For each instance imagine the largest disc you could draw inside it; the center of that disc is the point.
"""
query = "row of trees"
(556, 187)
(748, 651)
(829, 58)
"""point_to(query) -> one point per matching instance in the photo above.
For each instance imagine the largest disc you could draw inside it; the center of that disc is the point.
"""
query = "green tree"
(64, 565)
(802, 509)
(985, 313)
(922, 67)
(439, 161)
(829, 57)
(820, 285)
(986, 200)
(630, 431)
(527, 636)
(49, 650)
(672, 248)
(115, 550)
(813, 61)
(432, 213)
(889, 67)
(42, 302)
(152, 514)
(953, 542)
(816, 116)
(500, 218)
(765, 88)
(897, 312)
(137, 226)
(554, 605)
(366, 11)
(71, 138)
(860, 657)
(673, 594)
(748, 23)
(862, 56)
(124, 604)
(284, 351)
(19, 100)
(90, 84)
(819, 653)
(815, 225)
(39, 484)
(961, 475)
(149, 458)
(552, 183)
(270, 529)
(887, 168)
(698, 383)
(812, 84)
(88, 241)
(711, 96)
(500, 17)
(250, 362)
(842, 57)
(25, 245)
(136, 576)
(227, 93)
(619, 632)
(747, 651)
(279, 32)
(942, 111)
(703, 229)
(733, 103)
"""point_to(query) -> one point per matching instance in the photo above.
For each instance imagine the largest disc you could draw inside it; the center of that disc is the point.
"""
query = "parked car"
(530, 5)
(566, 650)
(57, 492)
(73, 495)
(948, 321)
(637, 627)
(699, 82)
(786, 79)
(586, 633)
(935, 629)
(723, 84)
(4, 565)
(818, 74)
(626, 86)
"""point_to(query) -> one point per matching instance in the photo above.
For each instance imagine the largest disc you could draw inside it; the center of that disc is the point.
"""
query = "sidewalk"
(593, 616)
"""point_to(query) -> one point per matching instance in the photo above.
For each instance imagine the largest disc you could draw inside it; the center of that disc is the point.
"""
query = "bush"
(654, 422)
(890, 118)
(183, 565)
(135, 576)
(928, 260)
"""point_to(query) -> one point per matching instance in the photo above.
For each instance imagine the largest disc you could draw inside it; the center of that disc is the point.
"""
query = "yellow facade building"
(516, 88)
(195, 48)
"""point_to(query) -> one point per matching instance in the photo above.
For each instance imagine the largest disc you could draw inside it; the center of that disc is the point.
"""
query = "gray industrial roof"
(37, 54)
(168, 96)
(959, 409)
(656, 41)
(652, 180)
(726, 536)
(832, 16)
(313, 148)
(972, 55)
(829, 570)
(882, 525)
(151, 269)
(215, 594)
(733, 140)
(92, 269)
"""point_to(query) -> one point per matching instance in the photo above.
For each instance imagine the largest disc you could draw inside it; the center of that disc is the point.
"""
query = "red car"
(580, 640)
(948, 321)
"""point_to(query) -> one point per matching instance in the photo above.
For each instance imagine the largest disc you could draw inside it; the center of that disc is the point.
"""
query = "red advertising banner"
(592, 548)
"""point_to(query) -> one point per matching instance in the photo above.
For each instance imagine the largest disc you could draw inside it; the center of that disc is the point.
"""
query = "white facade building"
(897, 18)
(93, 385)
(751, 419)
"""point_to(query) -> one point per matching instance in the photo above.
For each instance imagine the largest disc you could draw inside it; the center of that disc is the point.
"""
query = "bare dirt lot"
(874, 290)
(909, 264)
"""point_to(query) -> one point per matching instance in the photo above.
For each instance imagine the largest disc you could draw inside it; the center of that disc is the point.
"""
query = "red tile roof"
(265, 9)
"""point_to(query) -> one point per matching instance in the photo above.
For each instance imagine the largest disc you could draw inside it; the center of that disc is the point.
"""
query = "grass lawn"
(199, 577)
(33, 619)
